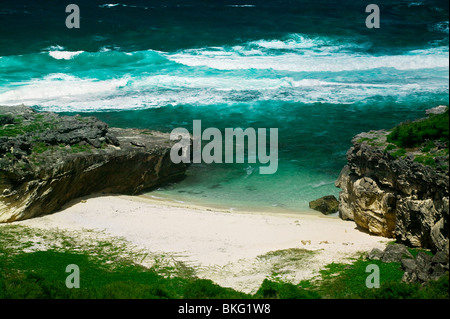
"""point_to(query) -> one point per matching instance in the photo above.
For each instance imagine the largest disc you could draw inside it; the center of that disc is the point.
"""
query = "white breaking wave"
(64, 55)
(241, 5)
(109, 5)
(309, 61)
(299, 41)
(294, 69)
(298, 53)
(112, 5)
(62, 92)
(60, 89)
(59, 53)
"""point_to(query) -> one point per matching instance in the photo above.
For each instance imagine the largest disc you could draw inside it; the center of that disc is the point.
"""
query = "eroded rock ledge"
(47, 160)
(397, 192)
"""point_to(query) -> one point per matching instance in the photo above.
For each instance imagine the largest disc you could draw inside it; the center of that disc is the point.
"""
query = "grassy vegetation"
(398, 153)
(344, 281)
(31, 268)
(39, 148)
(414, 134)
(42, 275)
(13, 126)
(422, 135)
(104, 271)
(21, 126)
(77, 148)
(349, 281)
(366, 139)
(273, 289)
(390, 147)
(426, 159)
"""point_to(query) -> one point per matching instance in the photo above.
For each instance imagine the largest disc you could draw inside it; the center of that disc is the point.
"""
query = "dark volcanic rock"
(375, 254)
(395, 253)
(422, 268)
(47, 160)
(425, 267)
(392, 253)
(327, 204)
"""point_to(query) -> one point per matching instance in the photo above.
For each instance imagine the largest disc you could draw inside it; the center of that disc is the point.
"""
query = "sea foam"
(294, 68)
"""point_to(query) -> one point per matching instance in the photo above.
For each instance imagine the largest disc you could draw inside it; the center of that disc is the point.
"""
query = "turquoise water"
(309, 68)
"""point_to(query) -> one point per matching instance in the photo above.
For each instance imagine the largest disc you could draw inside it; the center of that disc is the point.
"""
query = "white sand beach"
(234, 249)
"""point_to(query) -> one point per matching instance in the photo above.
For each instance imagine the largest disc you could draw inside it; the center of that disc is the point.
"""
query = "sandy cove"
(234, 249)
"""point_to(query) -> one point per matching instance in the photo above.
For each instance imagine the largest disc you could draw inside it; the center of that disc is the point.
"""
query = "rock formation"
(421, 268)
(47, 160)
(397, 192)
(326, 204)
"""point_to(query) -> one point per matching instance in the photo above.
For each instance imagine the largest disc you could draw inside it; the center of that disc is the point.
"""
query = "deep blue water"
(312, 69)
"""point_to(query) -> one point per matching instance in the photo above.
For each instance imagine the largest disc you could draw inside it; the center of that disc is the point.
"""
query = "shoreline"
(233, 249)
(273, 211)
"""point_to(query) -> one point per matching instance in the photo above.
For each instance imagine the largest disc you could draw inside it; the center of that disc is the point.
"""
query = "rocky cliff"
(47, 160)
(399, 191)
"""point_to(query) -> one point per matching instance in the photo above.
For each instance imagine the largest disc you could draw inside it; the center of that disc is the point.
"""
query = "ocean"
(312, 69)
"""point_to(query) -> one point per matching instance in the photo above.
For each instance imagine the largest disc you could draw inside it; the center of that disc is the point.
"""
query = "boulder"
(437, 110)
(421, 268)
(440, 258)
(425, 267)
(326, 205)
(375, 254)
(395, 253)
(409, 264)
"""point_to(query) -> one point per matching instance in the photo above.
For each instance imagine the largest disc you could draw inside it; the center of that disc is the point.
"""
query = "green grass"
(414, 134)
(30, 276)
(398, 153)
(429, 145)
(20, 126)
(40, 148)
(77, 148)
(349, 281)
(42, 274)
(104, 272)
(422, 135)
(279, 290)
(108, 270)
(390, 147)
(426, 159)
(365, 139)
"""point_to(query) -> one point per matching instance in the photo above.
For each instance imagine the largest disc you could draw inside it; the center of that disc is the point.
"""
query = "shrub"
(413, 134)
(390, 147)
(399, 153)
(428, 146)
(427, 159)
